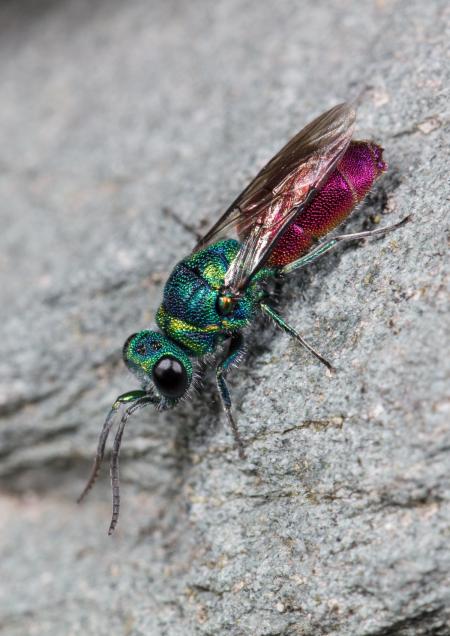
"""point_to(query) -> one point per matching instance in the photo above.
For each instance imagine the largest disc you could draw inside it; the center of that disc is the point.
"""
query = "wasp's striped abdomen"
(347, 185)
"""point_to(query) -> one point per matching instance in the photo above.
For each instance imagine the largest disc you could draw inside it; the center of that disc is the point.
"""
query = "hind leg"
(324, 248)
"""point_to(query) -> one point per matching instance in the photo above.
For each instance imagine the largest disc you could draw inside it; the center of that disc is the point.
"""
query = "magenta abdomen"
(347, 185)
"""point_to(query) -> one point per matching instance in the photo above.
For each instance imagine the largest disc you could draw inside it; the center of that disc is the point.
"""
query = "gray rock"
(338, 523)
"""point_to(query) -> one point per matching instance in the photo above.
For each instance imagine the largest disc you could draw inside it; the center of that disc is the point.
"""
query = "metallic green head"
(161, 366)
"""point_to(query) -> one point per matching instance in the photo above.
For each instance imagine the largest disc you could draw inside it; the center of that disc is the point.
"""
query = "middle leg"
(291, 331)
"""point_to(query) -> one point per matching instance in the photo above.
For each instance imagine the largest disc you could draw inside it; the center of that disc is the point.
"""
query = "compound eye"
(170, 377)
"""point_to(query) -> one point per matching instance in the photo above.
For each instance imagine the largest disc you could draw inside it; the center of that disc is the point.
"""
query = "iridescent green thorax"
(193, 312)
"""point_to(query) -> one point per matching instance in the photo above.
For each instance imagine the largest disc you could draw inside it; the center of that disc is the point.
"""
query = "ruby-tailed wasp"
(213, 294)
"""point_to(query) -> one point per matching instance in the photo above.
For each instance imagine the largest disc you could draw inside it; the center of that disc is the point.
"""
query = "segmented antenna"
(114, 467)
(100, 452)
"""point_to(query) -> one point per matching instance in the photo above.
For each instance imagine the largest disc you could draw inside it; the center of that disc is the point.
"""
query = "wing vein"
(280, 191)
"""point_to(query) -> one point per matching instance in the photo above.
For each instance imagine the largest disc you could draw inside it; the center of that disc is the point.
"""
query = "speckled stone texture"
(124, 127)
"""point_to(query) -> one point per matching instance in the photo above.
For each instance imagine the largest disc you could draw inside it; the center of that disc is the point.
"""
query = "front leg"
(234, 355)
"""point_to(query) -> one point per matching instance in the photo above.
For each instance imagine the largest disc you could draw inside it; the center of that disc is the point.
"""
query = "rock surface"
(124, 128)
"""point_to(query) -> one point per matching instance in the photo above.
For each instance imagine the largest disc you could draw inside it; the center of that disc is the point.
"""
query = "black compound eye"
(170, 377)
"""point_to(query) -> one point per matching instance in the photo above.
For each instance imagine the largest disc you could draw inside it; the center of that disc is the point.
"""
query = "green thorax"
(193, 313)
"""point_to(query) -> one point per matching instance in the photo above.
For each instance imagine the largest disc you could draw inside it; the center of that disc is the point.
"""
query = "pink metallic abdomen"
(353, 177)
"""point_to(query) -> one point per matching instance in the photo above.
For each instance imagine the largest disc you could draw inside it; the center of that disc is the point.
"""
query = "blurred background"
(125, 128)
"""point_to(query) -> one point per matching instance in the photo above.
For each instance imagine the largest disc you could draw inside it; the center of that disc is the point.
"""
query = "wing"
(286, 185)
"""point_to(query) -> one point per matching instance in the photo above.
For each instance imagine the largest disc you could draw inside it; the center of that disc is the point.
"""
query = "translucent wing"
(263, 211)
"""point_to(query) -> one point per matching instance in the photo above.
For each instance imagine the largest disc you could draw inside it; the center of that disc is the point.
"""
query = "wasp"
(306, 190)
